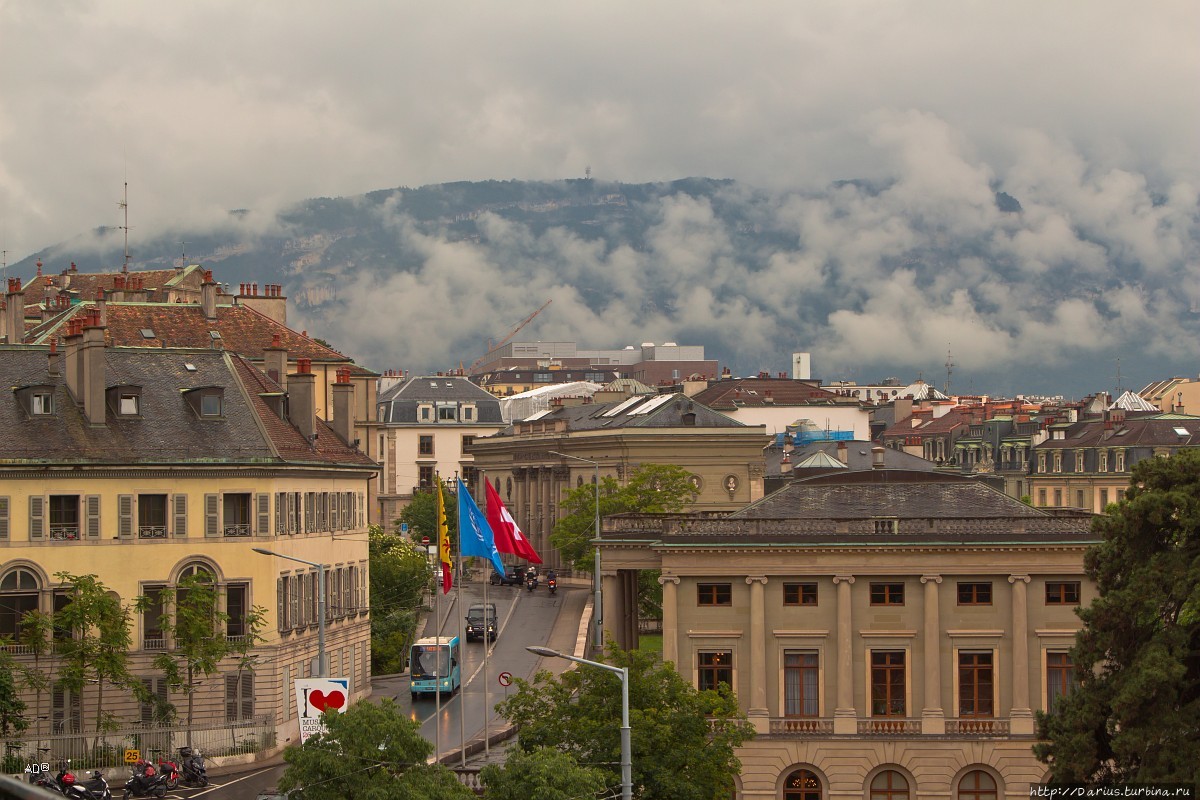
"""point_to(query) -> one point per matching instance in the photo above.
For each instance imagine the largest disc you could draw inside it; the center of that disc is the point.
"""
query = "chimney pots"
(304, 366)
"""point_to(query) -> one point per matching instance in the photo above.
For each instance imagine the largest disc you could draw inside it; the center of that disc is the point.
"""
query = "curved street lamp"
(322, 671)
(626, 757)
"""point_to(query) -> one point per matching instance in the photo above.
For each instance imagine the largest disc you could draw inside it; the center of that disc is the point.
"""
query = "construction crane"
(493, 346)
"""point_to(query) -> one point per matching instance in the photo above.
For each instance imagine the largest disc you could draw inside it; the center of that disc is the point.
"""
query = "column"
(845, 717)
(670, 610)
(933, 718)
(758, 712)
(1021, 716)
(521, 499)
(610, 586)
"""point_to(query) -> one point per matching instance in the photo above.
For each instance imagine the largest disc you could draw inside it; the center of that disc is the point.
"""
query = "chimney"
(877, 457)
(271, 303)
(843, 453)
(14, 320)
(343, 406)
(275, 359)
(102, 306)
(51, 294)
(92, 357)
(302, 399)
(74, 362)
(208, 296)
(54, 360)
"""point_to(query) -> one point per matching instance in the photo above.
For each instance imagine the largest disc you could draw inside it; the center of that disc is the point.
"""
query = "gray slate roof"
(402, 400)
(669, 413)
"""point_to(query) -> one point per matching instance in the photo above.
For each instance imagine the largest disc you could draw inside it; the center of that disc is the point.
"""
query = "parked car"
(514, 577)
(481, 618)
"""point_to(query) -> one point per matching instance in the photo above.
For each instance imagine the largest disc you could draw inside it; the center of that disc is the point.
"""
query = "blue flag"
(474, 534)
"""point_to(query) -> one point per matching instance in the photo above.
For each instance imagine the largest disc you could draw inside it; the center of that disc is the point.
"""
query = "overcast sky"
(209, 106)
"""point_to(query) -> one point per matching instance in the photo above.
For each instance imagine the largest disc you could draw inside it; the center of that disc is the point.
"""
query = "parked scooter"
(194, 772)
(145, 781)
(65, 783)
(169, 769)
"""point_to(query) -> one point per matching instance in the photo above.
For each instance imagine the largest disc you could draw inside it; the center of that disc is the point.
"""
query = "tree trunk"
(191, 691)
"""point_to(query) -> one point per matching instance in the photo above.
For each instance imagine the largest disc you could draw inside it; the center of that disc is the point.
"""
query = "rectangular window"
(239, 696)
(1079, 462)
(887, 594)
(66, 711)
(152, 634)
(887, 683)
(467, 441)
(714, 668)
(127, 405)
(235, 607)
(42, 404)
(1060, 678)
(800, 684)
(1103, 499)
(156, 710)
(975, 683)
(1042, 498)
(1062, 593)
(152, 516)
(1041, 462)
(236, 514)
(210, 405)
(447, 413)
(425, 476)
(1103, 467)
(975, 593)
(64, 516)
(1058, 461)
(1057, 498)
(425, 413)
(425, 445)
(1120, 495)
(799, 594)
(468, 413)
(1080, 501)
(714, 594)
(1120, 461)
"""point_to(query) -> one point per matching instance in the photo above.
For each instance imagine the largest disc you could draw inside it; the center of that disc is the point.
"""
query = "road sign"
(133, 756)
(404, 527)
(505, 679)
(424, 540)
(317, 695)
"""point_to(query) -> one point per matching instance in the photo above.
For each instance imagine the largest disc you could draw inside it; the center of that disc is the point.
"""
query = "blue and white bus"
(435, 665)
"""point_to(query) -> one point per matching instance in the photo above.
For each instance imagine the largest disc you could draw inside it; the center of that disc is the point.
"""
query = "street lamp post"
(322, 664)
(597, 610)
(626, 758)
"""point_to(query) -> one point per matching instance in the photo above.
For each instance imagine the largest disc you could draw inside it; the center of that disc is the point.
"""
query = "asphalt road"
(525, 619)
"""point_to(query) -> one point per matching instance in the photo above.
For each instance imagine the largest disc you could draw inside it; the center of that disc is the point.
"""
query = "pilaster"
(670, 609)
(1021, 715)
(757, 712)
(933, 718)
(845, 717)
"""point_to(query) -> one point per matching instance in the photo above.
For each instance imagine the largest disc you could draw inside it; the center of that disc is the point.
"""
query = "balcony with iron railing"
(237, 530)
(152, 532)
(64, 532)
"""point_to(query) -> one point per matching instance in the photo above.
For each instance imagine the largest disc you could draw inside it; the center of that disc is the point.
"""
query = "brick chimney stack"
(92, 357)
(343, 406)
(275, 361)
(302, 399)
(14, 317)
(208, 296)
(54, 359)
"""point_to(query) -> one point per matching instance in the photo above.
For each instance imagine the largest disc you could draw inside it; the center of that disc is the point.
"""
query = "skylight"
(190, 367)
(214, 335)
(147, 333)
(1182, 432)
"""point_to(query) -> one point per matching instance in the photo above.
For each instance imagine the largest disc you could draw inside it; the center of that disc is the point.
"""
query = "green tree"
(197, 628)
(37, 635)
(421, 514)
(98, 649)
(541, 774)
(12, 707)
(683, 740)
(373, 751)
(400, 575)
(651, 489)
(1134, 715)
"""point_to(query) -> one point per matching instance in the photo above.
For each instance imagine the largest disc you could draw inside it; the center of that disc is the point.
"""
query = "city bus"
(435, 665)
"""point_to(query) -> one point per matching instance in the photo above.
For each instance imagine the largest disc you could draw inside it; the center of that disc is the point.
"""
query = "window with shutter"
(3, 517)
(264, 514)
(239, 697)
(280, 508)
(125, 516)
(180, 514)
(212, 515)
(92, 510)
(155, 711)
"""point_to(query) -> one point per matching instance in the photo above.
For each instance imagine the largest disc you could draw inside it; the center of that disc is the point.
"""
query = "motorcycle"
(65, 783)
(145, 781)
(531, 583)
(552, 585)
(192, 764)
(168, 768)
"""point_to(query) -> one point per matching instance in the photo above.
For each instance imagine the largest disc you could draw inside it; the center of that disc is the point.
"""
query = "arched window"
(889, 785)
(802, 785)
(977, 785)
(18, 596)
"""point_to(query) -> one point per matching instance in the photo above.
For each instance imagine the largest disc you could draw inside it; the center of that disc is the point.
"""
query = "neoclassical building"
(536, 461)
(889, 633)
(145, 465)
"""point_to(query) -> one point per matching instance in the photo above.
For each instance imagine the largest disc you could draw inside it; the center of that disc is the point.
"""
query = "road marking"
(231, 783)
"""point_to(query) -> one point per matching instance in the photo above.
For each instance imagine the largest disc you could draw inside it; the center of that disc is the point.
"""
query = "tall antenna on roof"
(1120, 388)
(124, 206)
(949, 370)
(183, 255)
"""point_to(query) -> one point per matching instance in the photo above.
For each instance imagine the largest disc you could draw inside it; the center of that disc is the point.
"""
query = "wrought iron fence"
(237, 530)
(152, 532)
(107, 750)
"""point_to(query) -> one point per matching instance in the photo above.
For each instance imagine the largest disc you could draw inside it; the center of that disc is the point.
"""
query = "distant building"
(778, 403)
(426, 427)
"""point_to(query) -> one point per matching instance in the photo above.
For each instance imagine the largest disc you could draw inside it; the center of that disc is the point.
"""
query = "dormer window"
(207, 401)
(125, 401)
(38, 401)
(41, 404)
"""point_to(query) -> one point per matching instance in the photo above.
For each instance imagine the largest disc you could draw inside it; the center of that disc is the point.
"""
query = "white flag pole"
(487, 646)
(462, 612)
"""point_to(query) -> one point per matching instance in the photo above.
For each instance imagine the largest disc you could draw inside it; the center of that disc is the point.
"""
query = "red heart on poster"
(321, 701)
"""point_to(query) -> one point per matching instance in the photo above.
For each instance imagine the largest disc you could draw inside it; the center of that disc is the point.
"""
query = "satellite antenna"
(183, 255)
(587, 173)
(949, 369)
(124, 206)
